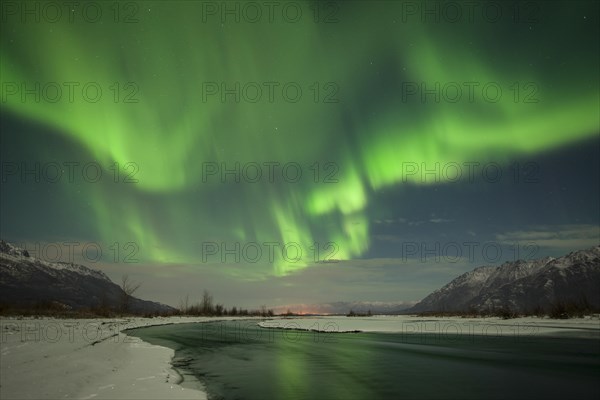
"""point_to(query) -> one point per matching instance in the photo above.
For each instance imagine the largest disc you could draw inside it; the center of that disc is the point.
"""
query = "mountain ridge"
(521, 286)
(27, 281)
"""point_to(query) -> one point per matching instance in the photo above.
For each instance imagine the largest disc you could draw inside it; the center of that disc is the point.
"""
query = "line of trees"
(352, 313)
(558, 309)
(207, 306)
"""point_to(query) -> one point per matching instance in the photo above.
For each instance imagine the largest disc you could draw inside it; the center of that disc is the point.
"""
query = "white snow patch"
(529, 326)
(55, 358)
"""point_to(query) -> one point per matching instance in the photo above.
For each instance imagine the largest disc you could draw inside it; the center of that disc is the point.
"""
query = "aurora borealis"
(358, 97)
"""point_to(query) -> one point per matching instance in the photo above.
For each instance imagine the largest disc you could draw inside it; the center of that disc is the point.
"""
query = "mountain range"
(28, 282)
(522, 286)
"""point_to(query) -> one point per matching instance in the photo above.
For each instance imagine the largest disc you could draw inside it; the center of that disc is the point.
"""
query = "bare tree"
(207, 303)
(129, 288)
(184, 304)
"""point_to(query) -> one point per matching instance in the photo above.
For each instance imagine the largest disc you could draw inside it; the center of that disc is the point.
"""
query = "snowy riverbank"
(92, 358)
(494, 326)
(87, 358)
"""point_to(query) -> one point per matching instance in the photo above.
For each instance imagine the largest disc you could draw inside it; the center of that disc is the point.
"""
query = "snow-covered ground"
(85, 359)
(92, 358)
(529, 326)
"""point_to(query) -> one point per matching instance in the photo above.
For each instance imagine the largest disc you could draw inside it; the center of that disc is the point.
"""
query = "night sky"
(381, 150)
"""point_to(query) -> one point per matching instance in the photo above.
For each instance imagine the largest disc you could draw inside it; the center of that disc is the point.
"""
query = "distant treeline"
(352, 313)
(206, 306)
(48, 308)
(557, 310)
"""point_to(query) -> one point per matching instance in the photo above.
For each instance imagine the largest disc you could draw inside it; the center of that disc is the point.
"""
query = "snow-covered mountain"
(28, 281)
(522, 286)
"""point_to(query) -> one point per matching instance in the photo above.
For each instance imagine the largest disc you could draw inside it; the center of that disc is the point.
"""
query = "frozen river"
(239, 360)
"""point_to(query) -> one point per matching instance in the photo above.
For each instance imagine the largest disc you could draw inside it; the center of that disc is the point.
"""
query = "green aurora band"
(172, 130)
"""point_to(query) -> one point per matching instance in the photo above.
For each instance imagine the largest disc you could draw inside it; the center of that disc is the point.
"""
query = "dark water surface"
(239, 360)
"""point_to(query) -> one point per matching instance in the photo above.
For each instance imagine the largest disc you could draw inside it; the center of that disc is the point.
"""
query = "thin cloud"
(440, 220)
(555, 237)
